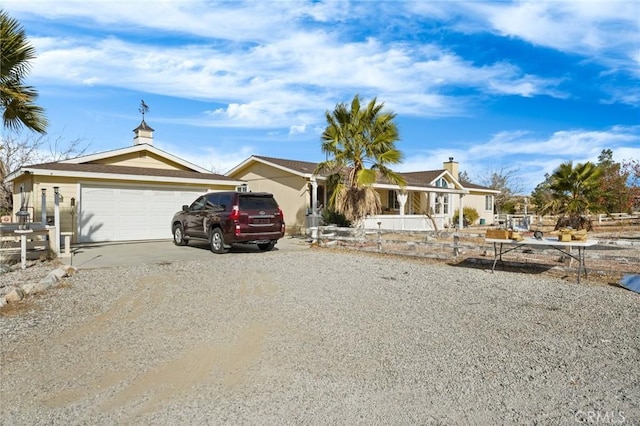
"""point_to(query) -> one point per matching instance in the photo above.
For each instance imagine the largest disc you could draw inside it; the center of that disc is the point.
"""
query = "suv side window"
(198, 204)
(225, 202)
(212, 201)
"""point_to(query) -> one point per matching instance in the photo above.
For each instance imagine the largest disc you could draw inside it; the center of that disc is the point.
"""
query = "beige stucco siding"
(290, 191)
(141, 159)
(477, 201)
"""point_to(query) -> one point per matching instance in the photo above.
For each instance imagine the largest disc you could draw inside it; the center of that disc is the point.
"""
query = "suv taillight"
(235, 213)
(281, 218)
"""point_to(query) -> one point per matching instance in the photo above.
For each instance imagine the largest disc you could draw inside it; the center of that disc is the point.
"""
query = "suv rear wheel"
(216, 241)
(178, 235)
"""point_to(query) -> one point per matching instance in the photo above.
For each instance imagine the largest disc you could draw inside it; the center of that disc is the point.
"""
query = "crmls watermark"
(597, 417)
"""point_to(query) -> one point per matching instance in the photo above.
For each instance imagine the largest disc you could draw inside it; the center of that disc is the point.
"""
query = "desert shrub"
(469, 214)
(332, 217)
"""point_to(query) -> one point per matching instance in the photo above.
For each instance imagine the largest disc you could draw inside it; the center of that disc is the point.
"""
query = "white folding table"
(501, 247)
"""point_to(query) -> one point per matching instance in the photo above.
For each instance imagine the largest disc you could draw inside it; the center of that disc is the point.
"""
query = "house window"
(488, 202)
(442, 200)
(393, 200)
(442, 204)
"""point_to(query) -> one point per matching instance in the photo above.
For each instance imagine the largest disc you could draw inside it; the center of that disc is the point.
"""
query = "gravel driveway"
(318, 336)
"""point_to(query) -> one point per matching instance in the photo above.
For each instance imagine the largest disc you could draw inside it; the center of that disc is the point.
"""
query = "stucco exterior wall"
(141, 159)
(477, 201)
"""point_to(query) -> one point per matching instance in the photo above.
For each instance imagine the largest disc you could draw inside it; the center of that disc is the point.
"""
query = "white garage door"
(128, 213)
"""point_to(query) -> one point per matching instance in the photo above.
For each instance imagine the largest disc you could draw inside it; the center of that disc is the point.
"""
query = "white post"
(460, 214)
(23, 246)
(402, 200)
(314, 210)
(43, 214)
(56, 218)
(314, 195)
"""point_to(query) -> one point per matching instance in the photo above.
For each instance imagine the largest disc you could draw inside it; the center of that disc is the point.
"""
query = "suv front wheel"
(217, 241)
(178, 235)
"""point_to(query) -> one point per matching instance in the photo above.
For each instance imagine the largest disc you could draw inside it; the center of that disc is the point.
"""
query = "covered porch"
(417, 209)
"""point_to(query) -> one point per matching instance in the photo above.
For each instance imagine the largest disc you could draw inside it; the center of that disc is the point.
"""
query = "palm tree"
(574, 190)
(360, 146)
(16, 98)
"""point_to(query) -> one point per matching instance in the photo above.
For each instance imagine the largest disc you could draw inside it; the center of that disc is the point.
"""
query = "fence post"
(456, 246)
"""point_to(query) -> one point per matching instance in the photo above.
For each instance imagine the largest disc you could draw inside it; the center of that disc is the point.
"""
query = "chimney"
(144, 134)
(452, 167)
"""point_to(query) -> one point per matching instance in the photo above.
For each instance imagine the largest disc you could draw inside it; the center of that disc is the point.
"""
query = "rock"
(50, 279)
(70, 270)
(2, 301)
(59, 273)
(15, 295)
(35, 288)
(29, 288)
(4, 268)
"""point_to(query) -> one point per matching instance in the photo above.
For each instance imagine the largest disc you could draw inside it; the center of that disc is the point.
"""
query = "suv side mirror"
(185, 208)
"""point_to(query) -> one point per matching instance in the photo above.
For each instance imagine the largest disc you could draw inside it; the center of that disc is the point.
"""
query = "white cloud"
(294, 65)
(605, 31)
(217, 159)
(530, 154)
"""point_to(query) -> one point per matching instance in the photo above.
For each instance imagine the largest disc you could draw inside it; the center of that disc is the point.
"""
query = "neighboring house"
(430, 197)
(120, 195)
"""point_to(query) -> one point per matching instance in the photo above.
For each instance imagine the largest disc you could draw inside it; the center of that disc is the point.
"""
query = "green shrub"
(469, 214)
(332, 217)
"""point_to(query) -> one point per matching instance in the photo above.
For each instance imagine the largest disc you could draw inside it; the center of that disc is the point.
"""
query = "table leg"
(496, 253)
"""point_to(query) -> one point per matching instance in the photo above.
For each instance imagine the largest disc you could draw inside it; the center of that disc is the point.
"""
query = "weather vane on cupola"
(144, 108)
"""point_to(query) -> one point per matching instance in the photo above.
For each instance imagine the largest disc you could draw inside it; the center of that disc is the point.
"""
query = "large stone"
(29, 288)
(70, 270)
(15, 295)
(59, 273)
(50, 279)
(35, 288)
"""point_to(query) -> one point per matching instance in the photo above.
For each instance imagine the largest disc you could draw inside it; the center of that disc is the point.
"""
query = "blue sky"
(497, 85)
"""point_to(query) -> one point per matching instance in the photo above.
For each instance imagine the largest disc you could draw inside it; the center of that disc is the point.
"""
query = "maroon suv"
(226, 218)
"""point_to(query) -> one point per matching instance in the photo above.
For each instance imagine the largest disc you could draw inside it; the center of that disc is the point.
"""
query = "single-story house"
(120, 195)
(430, 197)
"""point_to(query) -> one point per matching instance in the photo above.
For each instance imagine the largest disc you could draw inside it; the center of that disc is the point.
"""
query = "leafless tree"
(506, 180)
(18, 150)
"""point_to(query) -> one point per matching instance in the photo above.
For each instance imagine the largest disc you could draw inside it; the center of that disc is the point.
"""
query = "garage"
(129, 213)
(125, 194)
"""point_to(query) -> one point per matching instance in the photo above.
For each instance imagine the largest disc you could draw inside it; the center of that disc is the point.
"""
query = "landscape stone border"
(15, 294)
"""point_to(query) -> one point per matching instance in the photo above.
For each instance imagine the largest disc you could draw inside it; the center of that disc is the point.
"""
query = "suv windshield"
(256, 202)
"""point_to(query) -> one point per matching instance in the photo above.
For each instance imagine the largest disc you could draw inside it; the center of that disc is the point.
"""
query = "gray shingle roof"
(298, 166)
(128, 170)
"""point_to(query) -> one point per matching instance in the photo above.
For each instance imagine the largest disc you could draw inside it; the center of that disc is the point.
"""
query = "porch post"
(314, 210)
(402, 200)
(43, 210)
(460, 214)
(56, 218)
(314, 195)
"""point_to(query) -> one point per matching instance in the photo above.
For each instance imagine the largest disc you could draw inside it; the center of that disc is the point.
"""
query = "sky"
(499, 86)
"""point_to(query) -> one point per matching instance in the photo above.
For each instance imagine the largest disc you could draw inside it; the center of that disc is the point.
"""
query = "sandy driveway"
(316, 336)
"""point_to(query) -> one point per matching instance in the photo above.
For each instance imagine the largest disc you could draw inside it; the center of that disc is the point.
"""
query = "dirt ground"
(617, 253)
